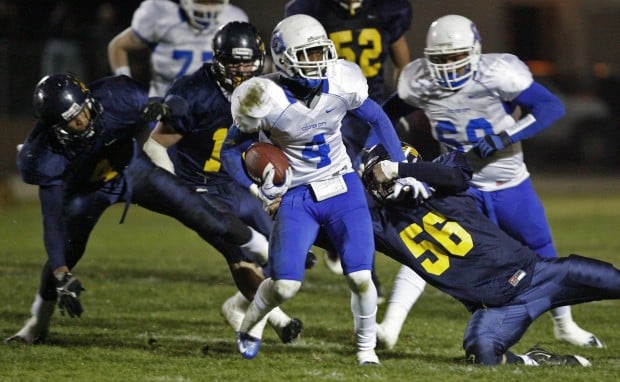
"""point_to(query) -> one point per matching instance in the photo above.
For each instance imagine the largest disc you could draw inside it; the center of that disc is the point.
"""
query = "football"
(258, 155)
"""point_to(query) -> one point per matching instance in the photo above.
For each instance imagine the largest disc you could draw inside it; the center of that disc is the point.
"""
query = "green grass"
(153, 292)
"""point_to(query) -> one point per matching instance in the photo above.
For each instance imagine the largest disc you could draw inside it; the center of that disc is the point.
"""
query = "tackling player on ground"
(447, 240)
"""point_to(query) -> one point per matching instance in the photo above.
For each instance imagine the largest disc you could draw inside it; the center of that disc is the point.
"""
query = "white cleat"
(232, 313)
(573, 334)
(386, 338)
(367, 357)
(332, 262)
(31, 333)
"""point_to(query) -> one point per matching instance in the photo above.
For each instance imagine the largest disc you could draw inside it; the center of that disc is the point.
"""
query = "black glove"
(155, 111)
(489, 144)
(69, 289)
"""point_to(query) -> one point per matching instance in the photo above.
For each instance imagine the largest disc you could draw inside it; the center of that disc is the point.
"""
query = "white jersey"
(309, 136)
(177, 48)
(460, 118)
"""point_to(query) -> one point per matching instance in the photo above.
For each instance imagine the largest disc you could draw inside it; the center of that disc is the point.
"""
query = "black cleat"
(291, 331)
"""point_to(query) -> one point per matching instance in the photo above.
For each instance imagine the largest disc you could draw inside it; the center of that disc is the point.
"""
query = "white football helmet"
(291, 42)
(201, 13)
(450, 36)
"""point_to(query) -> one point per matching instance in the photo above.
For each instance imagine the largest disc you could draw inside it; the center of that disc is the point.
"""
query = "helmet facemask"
(202, 15)
(82, 139)
(232, 70)
(301, 59)
(451, 74)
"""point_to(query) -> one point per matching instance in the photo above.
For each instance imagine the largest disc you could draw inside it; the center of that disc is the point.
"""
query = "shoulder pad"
(348, 76)
(504, 72)
(415, 81)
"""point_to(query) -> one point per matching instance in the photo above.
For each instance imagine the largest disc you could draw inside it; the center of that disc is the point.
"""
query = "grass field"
(153, 292)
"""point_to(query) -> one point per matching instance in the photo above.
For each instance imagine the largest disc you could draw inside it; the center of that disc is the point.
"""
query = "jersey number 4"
(449, 239)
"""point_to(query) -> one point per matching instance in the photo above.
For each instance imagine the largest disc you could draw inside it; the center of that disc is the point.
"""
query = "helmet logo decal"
(277, 44)
(72, 112)
(241, 52)
(474, 30)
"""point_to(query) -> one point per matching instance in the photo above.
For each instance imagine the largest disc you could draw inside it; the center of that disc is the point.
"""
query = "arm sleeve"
(449, 173)
(231, 155)
(372, 113)
(51, 198)
(543, 109)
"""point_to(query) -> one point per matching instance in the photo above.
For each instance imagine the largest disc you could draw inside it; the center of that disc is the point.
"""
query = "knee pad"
(285, 289)
(359, 281)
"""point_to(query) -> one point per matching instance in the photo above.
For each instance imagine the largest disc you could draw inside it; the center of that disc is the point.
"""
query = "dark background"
(571, 46)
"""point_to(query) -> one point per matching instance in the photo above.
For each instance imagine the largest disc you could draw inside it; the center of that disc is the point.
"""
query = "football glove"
(419, 190)
(489, 144)
(269, 193)
(69, 288)
(155, 111)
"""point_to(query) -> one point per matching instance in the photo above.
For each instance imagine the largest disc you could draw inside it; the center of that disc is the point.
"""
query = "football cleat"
(367, 357)
(247, 345)
(291, 331)
(232, 313)
(543, 357)
(30, 334)
(386, 338)
(332, 262)
(574, 335)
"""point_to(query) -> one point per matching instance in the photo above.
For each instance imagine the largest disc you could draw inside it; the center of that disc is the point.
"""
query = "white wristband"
(389, 168)
(123, 70)
(158, 154)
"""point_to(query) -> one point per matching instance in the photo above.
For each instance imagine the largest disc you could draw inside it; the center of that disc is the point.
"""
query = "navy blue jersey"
(364, 38)
(449, 242)
(44, 161)
(455, 248)
(203, 123)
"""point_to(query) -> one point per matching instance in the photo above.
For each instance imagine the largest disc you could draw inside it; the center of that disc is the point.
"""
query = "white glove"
(385, 171)
(418, 189)
(269, 193)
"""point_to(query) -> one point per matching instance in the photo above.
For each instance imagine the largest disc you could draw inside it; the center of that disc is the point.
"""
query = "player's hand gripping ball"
(259, 155)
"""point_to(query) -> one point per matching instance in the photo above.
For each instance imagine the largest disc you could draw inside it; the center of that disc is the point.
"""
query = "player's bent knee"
(483, 353)
(360, 281)
(286, 289)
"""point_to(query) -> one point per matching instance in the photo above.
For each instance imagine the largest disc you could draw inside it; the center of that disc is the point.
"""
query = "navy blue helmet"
(372, 157)
(238, 54)
(59, 98)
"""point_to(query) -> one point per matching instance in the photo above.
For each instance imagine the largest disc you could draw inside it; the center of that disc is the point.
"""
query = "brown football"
(258, 155)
